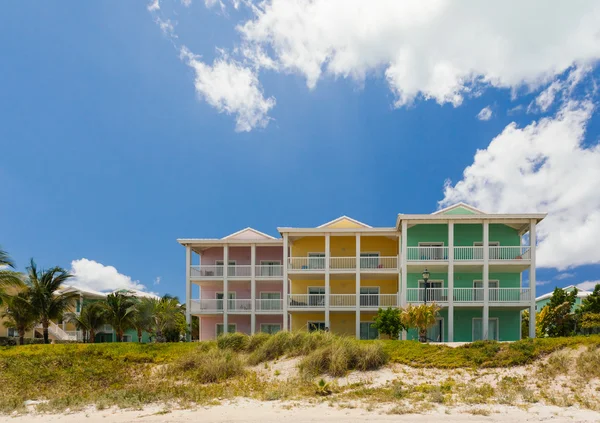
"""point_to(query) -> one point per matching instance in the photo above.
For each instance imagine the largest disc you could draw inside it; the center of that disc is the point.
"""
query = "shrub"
(214, 366)
(233, 341)
(588, 363)
(255, 341)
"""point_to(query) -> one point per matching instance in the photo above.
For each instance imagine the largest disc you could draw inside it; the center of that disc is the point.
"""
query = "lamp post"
(426, 283)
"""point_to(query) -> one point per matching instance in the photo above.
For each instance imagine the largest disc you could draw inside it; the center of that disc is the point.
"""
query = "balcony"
(342, 264)
(341, 301)
(469, 295)
(468, 254)
(242, 306)
(240, 271)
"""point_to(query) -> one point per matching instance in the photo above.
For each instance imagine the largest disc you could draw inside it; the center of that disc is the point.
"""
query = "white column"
(486, 280)
(285, 281)
(327, 287)
(532, 279)
(253, 289)
(357, 286)
(403, 261)
(225, 288)
(188, 289)
(450, 281)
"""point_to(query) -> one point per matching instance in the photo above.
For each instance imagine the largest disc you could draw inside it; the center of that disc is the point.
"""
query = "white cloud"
(93, 275)
(231, 88)
(439, 50)
(587, 285)
(565, 275)
(546, 97)
(157, 280)
(166, 26)
(186, 3)
(154, 6)
(542, 167)
(485, 113)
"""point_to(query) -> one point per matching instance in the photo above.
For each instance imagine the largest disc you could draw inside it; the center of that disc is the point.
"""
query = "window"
(270, 300)
(494, 252)
(13, 333)
(478, 293)
(369, 296)
(230, 268)
(231, 328)
(315, 326)
(127, 338)
(230, 303)
(368, 331)
(369, 260)
(436, 332)
(492, 329)
(316, 260)
(316, 296)
(270, 328)
(434, 291)
(270, 268)
(431, 251)
(78, 306)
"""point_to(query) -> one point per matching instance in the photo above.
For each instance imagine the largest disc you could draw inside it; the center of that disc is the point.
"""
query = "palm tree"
(91, 317)
(168, 318)
(119, 311)
(8, 277)
(421, 317)
(143, 317)
(19, 314)
(44, 292)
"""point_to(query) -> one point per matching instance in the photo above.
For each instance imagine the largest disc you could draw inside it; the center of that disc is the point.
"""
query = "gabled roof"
(581, 293)
(248, 233)
(459, 206)
(85, 292)
(136, 293)
(343, 219)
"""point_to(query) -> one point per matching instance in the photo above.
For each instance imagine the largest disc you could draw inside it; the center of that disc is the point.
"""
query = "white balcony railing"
(239, 305)
(269, 305)
(207, 271)
(342, 263)
(212, 305)
(342, 300)
(378, 300)
(468, 253)
(509, 253)
(496, 295)
(368, 264)
(239, 271)
(426, 253)
(269, 271)
(306, 300)
(306, 263)
(433, 295)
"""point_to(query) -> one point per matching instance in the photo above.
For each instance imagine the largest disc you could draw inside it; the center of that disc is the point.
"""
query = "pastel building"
(339, 274)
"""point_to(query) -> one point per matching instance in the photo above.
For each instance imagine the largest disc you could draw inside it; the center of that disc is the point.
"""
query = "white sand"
(255, 411)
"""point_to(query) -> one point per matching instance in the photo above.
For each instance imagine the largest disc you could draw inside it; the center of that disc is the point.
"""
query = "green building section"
(540, 304)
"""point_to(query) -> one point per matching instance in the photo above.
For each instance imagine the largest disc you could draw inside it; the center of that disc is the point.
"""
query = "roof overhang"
(201, 244)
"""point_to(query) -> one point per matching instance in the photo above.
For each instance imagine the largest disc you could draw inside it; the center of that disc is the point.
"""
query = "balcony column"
(357, 286)
(404, 268)
(225, 288)
(188, 291)
(486, 280)
(285, 281)
(532, 279)
(450, 295)
(327, 287)
(253, 289)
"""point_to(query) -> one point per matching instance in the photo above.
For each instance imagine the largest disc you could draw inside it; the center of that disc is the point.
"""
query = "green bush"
(216, 365)
(233, 341)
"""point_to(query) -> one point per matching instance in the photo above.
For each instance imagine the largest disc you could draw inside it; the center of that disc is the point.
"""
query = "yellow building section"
(344, 286)
(344, 223)
(341, 323)
(345, 246)
(299, 321)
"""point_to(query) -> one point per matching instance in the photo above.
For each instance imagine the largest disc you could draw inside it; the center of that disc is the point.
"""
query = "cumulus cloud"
(231, 88)
(587, 285)
(154, 6)
(485, 113)
(439, 50)
(543, 167)
(93, 275)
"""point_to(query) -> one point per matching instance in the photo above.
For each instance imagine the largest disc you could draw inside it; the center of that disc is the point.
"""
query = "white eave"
(581, 293)
(460, 205)
(339, 219)
(474, 218)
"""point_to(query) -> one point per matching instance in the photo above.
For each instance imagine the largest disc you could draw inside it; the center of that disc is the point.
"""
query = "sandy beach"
(293, 412)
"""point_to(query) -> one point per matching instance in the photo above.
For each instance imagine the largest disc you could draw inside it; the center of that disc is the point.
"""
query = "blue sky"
(115, 144)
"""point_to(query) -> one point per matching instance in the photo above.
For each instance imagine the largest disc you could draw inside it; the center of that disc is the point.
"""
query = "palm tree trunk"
(139, 335)
(423, 335)
(45, 325)
(92, 336)
(21, 337)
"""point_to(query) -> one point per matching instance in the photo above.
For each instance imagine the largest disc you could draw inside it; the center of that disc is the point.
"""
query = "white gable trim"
(248, 229)
(344, 218)
(457, 205)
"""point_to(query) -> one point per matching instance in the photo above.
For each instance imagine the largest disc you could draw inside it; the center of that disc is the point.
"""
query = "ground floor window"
(368, 331)
(13, 333)
(492, 329)
(270, 328)
(127, 338)
(231, 328)
(315, 326)
(436, 332)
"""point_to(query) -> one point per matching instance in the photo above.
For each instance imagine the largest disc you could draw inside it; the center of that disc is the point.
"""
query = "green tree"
(168, 317)
(143, 317)
(591, 303)
(420, 317)
(19, 314)
(388, 322)
(558, 318)
(119, 312)
(43, 291)
(8, 277)
(89, 320)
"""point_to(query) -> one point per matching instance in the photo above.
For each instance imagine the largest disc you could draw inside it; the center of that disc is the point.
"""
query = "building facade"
(339, 274)
(543, 300)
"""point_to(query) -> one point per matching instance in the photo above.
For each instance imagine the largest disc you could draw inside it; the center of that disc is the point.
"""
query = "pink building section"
(208, 324)
(241, 289)
(241, 255)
